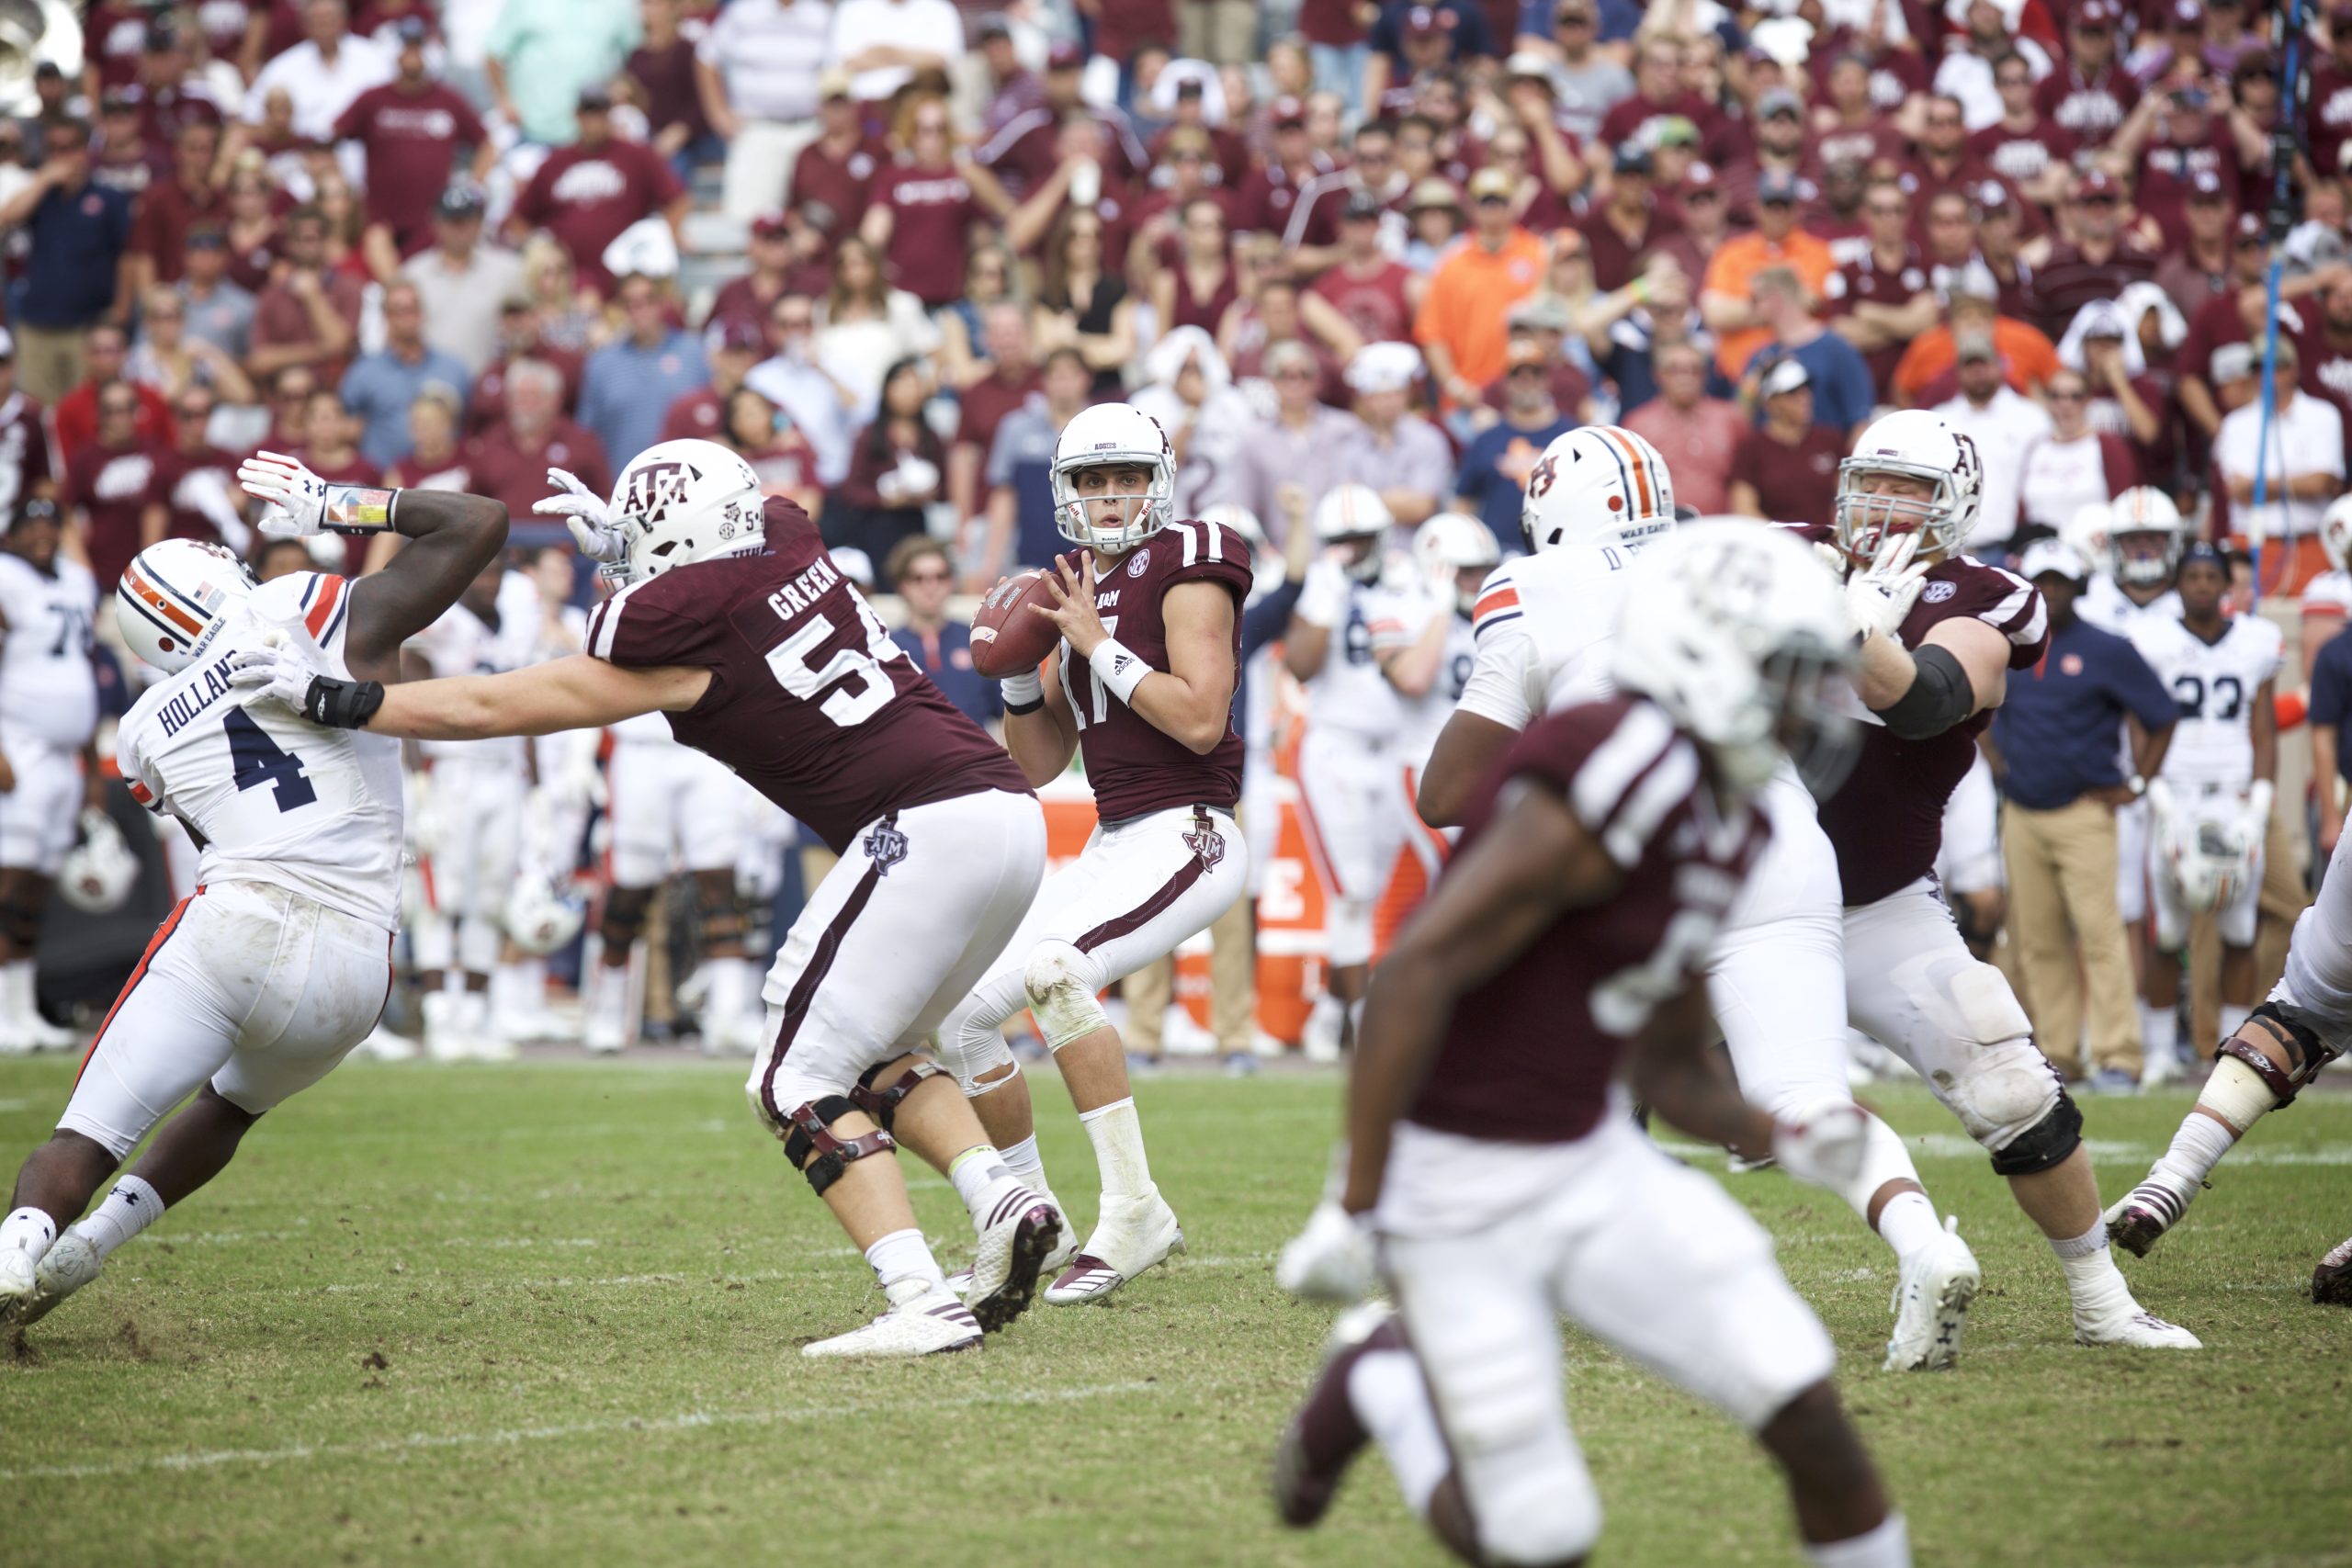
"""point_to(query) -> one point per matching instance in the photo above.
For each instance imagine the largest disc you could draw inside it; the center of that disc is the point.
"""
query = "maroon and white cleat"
(1129, 1238)
(2331, 1281)
(2138, 1220)
(1020, 1234)
(1325, 1436)
(926, 1324)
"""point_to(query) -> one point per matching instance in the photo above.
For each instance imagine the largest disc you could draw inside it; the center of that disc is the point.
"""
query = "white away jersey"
(2105, 606)
(462, 643)
(1544, 627)
(48, 691)
(270, 797)
(2215, 685)
(1427, 715)
(1350, 694)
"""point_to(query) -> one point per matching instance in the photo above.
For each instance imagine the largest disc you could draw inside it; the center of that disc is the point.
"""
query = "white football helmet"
(681, 502)
(2145, 531)
(539, 917)
(2088, 530)
(1914, 443)
(1598, 485)
(1124, 435)
(1451, 543)
(2211, 859)
(1736, 630)
(1356, 511)
(172, 596)
(1238, 518)
(98, 873)
(2335, 532)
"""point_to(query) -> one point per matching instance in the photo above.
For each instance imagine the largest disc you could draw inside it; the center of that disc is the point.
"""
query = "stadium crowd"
(887, 249)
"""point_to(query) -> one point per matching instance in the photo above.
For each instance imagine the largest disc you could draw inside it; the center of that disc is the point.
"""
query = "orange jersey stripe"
(330, 594)
(162, 934)
(1496, 600)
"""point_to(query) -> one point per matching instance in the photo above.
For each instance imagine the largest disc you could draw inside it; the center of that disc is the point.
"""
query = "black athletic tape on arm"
(1938, 697)
(342, 705)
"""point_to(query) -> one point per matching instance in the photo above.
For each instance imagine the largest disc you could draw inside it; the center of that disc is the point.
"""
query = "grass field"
(551, 1312)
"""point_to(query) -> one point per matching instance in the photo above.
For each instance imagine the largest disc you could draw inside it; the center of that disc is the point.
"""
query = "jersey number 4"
(255, 760)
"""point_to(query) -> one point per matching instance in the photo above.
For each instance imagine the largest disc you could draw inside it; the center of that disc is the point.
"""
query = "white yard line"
(684, 1421)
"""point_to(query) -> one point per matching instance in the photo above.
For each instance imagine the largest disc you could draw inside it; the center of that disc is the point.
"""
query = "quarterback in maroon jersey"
(1941, 634)
(1151, 616)
(1488, 1146)
(735, 623)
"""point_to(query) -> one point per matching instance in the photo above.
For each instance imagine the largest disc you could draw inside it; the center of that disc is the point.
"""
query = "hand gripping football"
(1007, 640)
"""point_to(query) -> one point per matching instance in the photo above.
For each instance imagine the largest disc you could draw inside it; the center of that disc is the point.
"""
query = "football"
(1006, 638)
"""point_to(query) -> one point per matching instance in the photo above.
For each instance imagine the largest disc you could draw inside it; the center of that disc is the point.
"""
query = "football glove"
(1824, 1147)
(1879, 599)
(298, 504)
(1332, 1259)
(594, 527)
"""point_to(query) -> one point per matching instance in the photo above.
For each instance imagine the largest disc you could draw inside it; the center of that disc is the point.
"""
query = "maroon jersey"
(2327, 114)
(1886, 821)
(809, 701)
(411, 137)
(24, 450)
(2019, 156)
(2068, 280)
(1376, 306)
(1790, 481)
(1530, 1055)
(2090, 109)
(111, 484)
(986, 402)
(1136, 769)
(586, 197)
(191, 487)
(1864, 281)
(932, 214)
(841, 185)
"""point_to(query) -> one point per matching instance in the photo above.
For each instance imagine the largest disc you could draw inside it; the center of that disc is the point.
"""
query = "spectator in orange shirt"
(1928, 373)
(1462, 324)
(1727, 298)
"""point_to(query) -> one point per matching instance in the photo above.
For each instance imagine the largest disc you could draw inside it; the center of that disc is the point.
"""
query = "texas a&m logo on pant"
(885, 847)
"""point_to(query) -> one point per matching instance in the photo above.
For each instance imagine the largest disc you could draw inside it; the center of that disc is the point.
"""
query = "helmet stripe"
(134, 579)
(1638, 469)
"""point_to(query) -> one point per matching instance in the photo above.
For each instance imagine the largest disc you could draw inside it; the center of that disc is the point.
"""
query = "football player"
(1142, 683)
(2209, 804)
(1362, 607)
(1941, 632)
(1547, 627)
(1489, 1148)
(49, 773)
(732, 621)
(257, 984)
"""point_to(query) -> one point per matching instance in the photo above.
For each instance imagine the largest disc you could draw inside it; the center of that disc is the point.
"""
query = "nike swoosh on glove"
(594, 527)
(1332, 1259)
(1825, 1147)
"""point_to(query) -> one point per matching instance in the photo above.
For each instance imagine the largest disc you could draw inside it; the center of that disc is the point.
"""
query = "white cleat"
(1326, 1026)
(931, 1324)
(1022, 1231)
(2135, 1328)
(19, 1283)
(1930, 1306)
(14, 1041)
(48, 1036)
(444, 1038)
(2138, 1220)
(383, 1045)
(605, 1033)
(1126, 1242)
(70, 1263)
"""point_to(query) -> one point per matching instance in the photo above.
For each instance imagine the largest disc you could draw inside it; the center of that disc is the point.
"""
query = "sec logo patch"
(1141, 564)
(1937, 592)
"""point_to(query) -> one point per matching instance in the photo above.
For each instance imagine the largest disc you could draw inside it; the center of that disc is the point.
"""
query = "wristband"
(342, 705)
(1024, 692)
(1119, 671)
(360, 509)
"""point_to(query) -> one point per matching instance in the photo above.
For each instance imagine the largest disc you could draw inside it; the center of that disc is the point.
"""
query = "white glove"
(1833, 557)
(594, 527)
(295, 498)
(280, 670)
(1824, 1147)
(1878, 599)
(1323, 597)
(2259, 797)
(2162, 810)
(1332, 1259)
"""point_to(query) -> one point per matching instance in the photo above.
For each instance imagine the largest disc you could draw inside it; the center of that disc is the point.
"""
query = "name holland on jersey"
(174, 715)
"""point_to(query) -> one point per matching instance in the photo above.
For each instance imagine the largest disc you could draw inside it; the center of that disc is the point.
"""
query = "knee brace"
(479, 937)
(975, 1047)
(2012, 1102)
(624, 916)
(882, 1104)
(816, 1154)
(1062, 982)
(2045, 1144)
(2304, 1049)
(718, 911)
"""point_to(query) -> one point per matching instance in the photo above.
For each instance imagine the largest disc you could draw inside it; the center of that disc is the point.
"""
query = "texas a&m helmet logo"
(654, 488)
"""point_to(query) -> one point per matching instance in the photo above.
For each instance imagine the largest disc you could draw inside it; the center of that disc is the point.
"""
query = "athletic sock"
(2232, 1018)
(1023, 1161)
(16, 990)
(2196, 1147)
(977, 1173)
(129, 1208)
(1117, 1136)
(2093, 1280)
(1387, 1392)
(1909, 1222)
(28, 1230)
(2159, 1034)
(903, 1260)
(1886, 1546)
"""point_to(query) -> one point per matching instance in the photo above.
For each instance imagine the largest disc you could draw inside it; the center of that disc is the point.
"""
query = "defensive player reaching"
(1941, 632)
(48, 775)
(1489, 1148)
(736, 624)
(255, 986)
(2209, 804)
(1546, 630)
(1143, 684)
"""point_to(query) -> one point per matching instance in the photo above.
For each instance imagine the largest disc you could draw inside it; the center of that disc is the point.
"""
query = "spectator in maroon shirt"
(730, 347)
(832, 178)
(310, 316)
(194, 479)
(1628, 223)
(108, 486)
(661, 70)
(587, 192)
(1941, 161)
(520, 337)
(253, 230)
(1012, 377)
(173, 208)
(1021, 153)
(925, 202)
(410, 129)
(1372, 292)
(510, 461)
(169, 97)
(1658, 92)
(79, 414)
(749, 297)
(123, 161)
(1850, 128)
(2088, 96)
(1786, 468)
(1883, 297)
(2022, 146)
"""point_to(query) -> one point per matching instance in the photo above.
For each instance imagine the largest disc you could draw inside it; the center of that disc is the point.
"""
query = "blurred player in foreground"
(1489, 1148)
